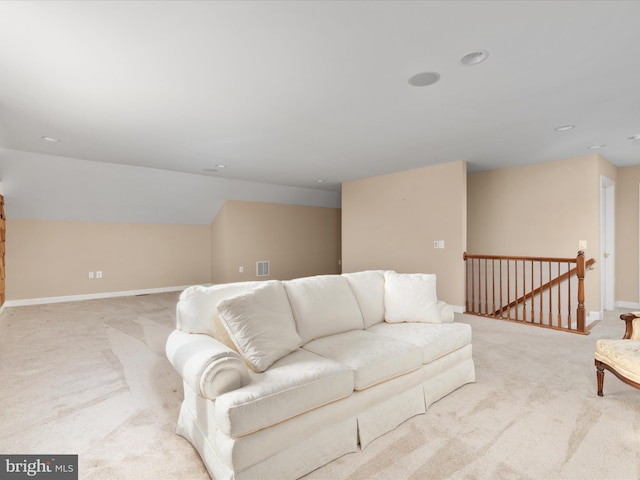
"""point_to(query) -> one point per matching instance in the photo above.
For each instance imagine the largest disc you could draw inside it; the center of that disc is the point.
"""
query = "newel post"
(466, 283)
(580, 313)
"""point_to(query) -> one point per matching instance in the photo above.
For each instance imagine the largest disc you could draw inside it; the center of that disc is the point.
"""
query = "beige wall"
(219, 251)
(391, 222)
(543, 209)
(53, 258)
(297, 240)
(627, 213)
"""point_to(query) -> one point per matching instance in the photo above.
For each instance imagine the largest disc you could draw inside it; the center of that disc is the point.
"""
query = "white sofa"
(282, 377)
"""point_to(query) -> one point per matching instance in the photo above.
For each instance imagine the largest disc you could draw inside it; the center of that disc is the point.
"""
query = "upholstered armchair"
(621, 357)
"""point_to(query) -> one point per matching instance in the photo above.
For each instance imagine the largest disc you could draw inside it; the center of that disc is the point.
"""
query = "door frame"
(607, 243)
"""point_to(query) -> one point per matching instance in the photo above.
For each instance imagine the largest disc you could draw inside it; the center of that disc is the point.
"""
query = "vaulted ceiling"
(309, 94)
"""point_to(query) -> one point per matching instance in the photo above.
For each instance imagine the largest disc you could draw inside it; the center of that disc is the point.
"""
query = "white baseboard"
(628, 305)
(457, 308)
(89, 296)
(593, 316)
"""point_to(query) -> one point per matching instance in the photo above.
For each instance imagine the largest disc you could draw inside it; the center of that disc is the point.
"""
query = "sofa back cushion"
(323, 305)
(410, 297)
(196, 310)
(368, 288)
(260, 324)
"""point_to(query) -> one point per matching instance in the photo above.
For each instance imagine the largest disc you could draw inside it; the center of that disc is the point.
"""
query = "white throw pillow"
(260, 324)
(410, 297)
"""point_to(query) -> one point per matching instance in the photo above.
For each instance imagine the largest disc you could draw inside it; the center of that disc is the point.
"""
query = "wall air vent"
(262, 268)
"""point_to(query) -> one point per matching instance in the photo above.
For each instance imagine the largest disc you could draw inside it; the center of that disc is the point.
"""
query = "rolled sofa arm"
(446, 312)
(209, 367)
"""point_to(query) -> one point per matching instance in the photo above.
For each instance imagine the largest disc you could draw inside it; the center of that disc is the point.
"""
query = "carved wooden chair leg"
(600, 375)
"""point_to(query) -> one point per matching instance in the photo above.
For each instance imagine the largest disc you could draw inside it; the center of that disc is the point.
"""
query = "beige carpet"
(90, 378)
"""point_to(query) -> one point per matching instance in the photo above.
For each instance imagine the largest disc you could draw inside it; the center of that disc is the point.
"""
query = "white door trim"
(607, 243)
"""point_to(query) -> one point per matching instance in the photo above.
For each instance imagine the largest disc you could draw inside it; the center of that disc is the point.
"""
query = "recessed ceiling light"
(595, 147)
(424, 79)
(635, 137)
(564, 128)
(221, 166)
(50, 139)
(319, 181)
(474, 58)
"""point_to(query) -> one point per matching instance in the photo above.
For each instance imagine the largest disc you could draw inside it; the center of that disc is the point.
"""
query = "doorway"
(2, 237)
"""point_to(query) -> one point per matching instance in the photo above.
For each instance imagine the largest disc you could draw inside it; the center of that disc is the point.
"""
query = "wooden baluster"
(486, 287)
(559, 298)
(533, 290)
(466, 282)
(479, 289)
(493, 287)
(540, 293)
(473, 289)
(508, 288)
(515, 274)
(569, 298)
(580, 314)
(550, 320)
(524, 291)
(480, 305)
(500, 306)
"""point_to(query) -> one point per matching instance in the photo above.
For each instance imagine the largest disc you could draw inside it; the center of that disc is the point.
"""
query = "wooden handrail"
(466, 256)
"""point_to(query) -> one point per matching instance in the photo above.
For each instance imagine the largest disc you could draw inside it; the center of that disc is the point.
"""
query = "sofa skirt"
(297, 446)
(448, 373)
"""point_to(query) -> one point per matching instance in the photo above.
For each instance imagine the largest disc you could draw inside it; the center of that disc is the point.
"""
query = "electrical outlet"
(436, 244)
(98, 274)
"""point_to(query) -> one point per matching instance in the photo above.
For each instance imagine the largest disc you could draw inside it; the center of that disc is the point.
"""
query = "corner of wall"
(219, 245)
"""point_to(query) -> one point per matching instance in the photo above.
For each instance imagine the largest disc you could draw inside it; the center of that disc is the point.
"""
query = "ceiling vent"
(262, 268)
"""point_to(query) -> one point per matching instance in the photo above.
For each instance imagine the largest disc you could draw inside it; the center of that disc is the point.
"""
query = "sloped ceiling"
(45, 187)
(288, 93)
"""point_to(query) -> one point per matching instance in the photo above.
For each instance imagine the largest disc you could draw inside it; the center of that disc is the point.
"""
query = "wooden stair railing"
(534, 290)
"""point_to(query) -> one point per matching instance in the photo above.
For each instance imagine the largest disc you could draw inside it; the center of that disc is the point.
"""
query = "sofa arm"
(446, 312)
(632, 323)
(209, 367)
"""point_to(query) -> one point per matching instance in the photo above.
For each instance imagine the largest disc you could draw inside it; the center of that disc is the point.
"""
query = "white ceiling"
(291, 92)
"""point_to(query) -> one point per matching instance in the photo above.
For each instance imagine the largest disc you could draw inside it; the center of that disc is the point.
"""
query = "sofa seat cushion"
(295, 384)
(434, 339)
(323, 305)
(622, 355)
(373, 358)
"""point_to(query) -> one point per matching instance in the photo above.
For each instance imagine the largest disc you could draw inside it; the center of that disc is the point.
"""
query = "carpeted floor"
(90, 378)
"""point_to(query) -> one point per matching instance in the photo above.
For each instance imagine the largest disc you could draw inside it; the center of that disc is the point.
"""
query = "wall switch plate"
(440, 243)
(582, 245)
(241, 269)
(98, 274)
(90, 274)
